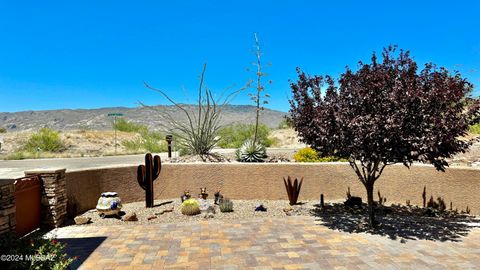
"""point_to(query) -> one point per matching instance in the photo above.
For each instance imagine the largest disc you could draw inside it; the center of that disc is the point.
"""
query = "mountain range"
(98, 119)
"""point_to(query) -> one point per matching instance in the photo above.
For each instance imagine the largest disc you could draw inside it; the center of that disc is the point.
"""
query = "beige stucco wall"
(264, 181)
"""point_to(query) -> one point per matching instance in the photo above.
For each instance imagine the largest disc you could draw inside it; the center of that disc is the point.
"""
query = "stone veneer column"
(54, 196)
(7, 206)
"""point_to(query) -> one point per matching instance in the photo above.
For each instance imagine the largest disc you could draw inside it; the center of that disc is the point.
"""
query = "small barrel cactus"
(226, 206)
(190, 207)
(251, 152)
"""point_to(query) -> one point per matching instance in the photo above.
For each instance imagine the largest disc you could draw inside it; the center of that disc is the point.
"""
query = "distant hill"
(97, 119)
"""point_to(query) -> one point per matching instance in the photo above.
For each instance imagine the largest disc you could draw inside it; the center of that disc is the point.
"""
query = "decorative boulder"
(130, 217)
(79, 220)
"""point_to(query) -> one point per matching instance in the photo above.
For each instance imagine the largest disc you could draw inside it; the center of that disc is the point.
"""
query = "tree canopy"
(384, 113)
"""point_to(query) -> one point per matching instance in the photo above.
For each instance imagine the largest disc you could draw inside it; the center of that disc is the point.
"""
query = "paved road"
(14, 168)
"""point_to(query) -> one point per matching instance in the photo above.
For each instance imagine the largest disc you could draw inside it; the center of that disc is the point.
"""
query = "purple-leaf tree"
(384, 113)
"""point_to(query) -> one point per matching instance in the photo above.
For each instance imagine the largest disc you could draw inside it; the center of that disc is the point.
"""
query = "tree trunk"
(371, 213)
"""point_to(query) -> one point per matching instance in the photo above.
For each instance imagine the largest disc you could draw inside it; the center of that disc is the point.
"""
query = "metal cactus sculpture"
(293, 189)
(146, 174)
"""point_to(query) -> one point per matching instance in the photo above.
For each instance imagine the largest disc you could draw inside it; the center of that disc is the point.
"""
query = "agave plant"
(251, 152)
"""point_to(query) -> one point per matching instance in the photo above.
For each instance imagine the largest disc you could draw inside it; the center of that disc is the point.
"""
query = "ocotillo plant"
(293, 189)
(146, 174)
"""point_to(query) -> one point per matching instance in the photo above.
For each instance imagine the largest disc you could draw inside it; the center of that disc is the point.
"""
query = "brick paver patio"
(268, 243)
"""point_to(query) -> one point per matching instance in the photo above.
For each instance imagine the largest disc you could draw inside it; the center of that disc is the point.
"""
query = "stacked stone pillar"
(7, 206)
(54, 196)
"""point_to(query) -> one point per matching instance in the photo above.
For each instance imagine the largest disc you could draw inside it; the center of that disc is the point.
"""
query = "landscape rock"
(209, 215)
(164, 211)
(80, 220)
(130, 217)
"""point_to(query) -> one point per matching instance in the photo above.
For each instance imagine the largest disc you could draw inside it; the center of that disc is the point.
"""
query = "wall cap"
(45, 170)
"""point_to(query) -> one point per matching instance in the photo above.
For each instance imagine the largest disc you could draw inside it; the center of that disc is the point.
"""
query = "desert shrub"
(127, 126)
(285, 123)
(18, 155)
(45, 139)
(308, 154)
(150, 141)
(35, 251)
(154, 142)
(251, 152)
(133, 145)
(3, 130)
(235, 135)
(475, 129)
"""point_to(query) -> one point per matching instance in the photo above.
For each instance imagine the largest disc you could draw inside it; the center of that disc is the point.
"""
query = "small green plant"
(3, 130)
(475, 129)
(36, 252)
(308, 154)
(251, 152)
(226, 205)
(234, 136)
(45, 139)
(127, 126)
(190, 207)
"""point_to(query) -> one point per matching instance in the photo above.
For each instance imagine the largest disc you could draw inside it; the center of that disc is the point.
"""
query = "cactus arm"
(157, 166)
(141, 176)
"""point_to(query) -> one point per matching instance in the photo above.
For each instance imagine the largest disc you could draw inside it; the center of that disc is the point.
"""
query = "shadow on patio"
(398, 222)
(81, 247)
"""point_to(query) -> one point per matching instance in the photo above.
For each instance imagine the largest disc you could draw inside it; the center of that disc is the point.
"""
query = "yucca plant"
(190, 207)
(226, 206)
(251, 152)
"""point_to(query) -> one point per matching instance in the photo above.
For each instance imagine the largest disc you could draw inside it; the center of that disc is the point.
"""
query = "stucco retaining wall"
(264, 182)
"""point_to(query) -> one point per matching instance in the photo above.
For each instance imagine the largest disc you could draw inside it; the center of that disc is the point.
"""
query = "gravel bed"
(242, 209)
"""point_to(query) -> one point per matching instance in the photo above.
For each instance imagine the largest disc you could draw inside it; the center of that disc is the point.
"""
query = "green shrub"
(308, 154)
(45, 139)
(285, 123)
(153, 142)
(133, 145)
(3, 130)
(475, 129)
(127, 126)
(235, 135)
(18, 155)
(35, 251)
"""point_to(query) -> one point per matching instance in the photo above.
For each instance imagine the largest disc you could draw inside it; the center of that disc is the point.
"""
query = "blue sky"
(90, 54)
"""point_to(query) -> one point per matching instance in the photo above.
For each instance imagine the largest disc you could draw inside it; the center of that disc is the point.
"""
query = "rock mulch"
(242, 209)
